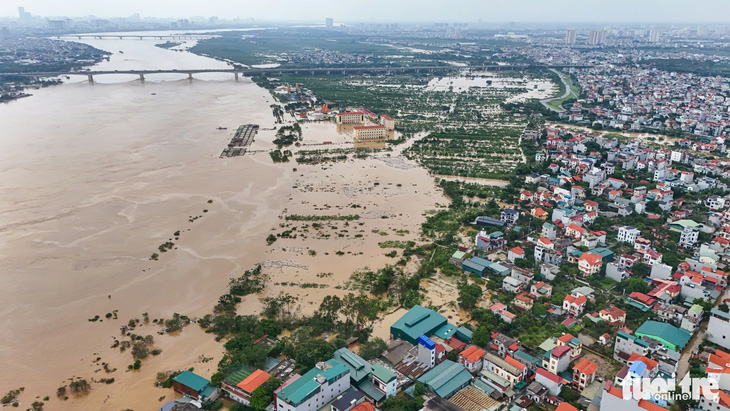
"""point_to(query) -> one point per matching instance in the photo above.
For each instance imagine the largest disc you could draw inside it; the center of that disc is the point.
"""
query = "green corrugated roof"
(697, 309)
(525, 357)
(664, 331)
(369, 389)
(446, 331)
(418, 320)
(383, 374)
(459, 255)
(446, 378)
(359, 368)
(192, 380)
(302, 387)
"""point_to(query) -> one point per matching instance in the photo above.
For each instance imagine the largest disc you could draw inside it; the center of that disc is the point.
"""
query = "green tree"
(373, 348)
(419, 389)
(312, 351)
(261, 397)
(469, 295)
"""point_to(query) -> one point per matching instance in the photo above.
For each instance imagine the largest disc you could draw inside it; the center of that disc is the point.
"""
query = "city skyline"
(492, 11)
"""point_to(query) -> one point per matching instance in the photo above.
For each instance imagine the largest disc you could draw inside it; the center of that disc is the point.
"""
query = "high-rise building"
(654, 36)
(23, 15)
(597, 37)
(570, 36)
(329, 22)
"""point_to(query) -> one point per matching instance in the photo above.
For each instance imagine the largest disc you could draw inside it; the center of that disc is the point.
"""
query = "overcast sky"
(556, 11)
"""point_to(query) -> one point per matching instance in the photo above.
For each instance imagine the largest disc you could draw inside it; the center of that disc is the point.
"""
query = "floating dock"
(241, 141)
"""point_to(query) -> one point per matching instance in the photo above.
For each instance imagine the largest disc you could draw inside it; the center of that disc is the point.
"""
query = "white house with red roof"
(584, 372)
(515, 253)
(574, 305)
(613, 316)
(589, 264)
(549, 380)
(472, 358)
(575, 231)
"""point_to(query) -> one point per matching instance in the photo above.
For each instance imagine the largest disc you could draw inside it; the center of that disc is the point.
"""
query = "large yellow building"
(355, 117)
(387, 121)
(369, 133)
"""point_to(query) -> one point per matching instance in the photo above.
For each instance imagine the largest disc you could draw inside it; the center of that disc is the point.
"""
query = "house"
(350, 400)
(194, 386)
(509, 216)
(613, 315)
(628, 234)
(613, 399)
(589, 264)
(627, 344)
(511, 370)
(584, 372)
(523, 302)
(511, 285)
(575, 231)
(718, 329)
(541, 289)
(472, 359)
(539, 213)
(515, 253)
(692, 319)
(549, 380)
(557, 359)
(641, 301)
(318, 386)
(446, 379)
(384, 381)
(574, 305)
(671, 337)
(575, 345)
(241, 392)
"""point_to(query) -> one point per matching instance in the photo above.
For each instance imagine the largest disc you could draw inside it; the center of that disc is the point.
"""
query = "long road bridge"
(279, 71)
(141, 37)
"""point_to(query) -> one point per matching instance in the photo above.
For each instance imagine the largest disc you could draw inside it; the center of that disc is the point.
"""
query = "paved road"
(692, 346)
(568, 92)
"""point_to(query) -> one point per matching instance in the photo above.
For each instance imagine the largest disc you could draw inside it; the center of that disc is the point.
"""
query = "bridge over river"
(278, 71)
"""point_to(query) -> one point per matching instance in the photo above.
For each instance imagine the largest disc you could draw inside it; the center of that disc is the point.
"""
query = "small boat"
(154, 94)
(222, 128)
(121, 52)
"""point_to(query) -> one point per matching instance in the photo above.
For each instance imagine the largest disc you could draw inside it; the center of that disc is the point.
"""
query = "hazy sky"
(393, 10)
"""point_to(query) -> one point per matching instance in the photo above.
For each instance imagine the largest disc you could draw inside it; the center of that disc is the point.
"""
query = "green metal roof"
(521, 355)
(306, 385)
(359, 368)
(697, 309)
(192, 380)
(664, 332)
(459, 255)
(418, 320)
(369, 389)
(383, 374)
(446, 378)
(446, 331)
(636, 340)
(496, 378)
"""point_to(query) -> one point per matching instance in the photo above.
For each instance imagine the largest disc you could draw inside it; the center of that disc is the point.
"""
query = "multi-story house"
(584, 372)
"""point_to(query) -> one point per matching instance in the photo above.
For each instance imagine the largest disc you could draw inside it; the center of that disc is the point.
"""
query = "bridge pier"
(190, 76)
(141, 77)
(120, 38)
(91, 79)
(79, 37)
(235, 75)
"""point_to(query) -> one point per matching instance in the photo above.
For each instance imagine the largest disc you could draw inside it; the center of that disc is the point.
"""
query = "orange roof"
(650, 364)
(253, 381)
(586, 366)
(576, 227)
(592, 259)
(363, 406)
(514, 363)
(575, 300)
(650, 406)
(564, 406)
(565, 338)
(472, 353)
(518, 250)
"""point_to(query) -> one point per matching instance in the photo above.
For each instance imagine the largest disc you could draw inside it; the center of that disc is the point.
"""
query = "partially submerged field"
(470, 135)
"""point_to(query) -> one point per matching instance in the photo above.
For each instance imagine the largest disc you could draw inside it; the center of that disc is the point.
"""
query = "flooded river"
(93, 178)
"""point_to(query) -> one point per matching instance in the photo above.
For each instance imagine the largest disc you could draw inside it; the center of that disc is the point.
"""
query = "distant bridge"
(141, 37)
(279, 71)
